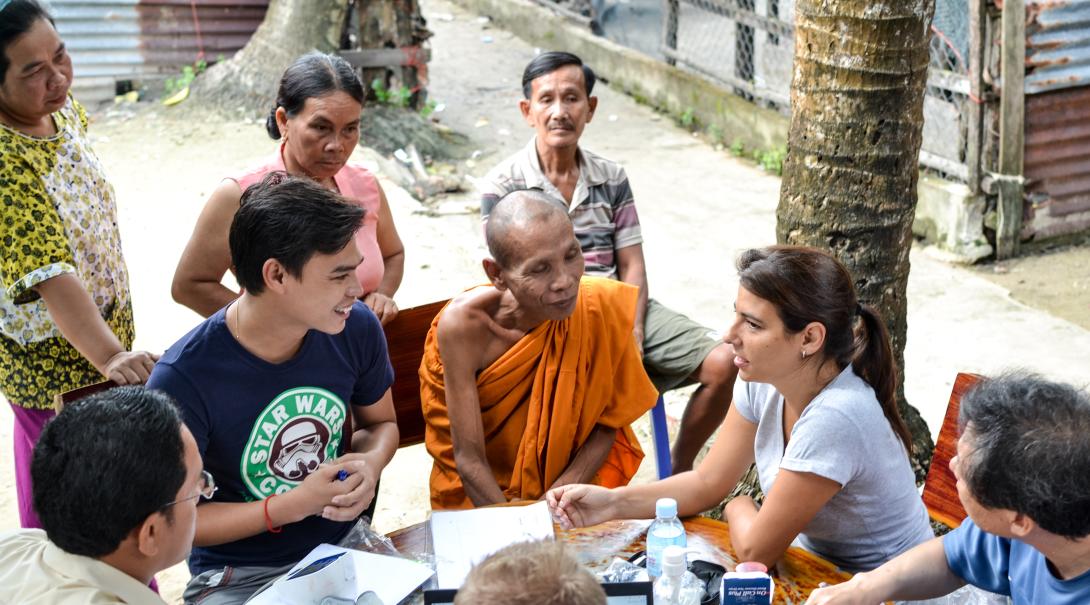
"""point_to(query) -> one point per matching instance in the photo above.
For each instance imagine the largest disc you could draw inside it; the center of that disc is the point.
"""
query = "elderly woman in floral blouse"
(65, 314)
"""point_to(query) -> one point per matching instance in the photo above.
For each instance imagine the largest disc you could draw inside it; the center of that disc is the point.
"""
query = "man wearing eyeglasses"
(117, 477)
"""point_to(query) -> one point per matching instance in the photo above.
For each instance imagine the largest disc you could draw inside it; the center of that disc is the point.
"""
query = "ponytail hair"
(312, 75)
(810, 285)
(874, 363)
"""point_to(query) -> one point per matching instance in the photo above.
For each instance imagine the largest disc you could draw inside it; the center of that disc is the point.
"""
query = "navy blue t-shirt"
(1009, 567)
(262, 428)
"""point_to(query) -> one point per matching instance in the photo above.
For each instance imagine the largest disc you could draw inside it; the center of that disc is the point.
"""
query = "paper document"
(465, 537)
(390, 578)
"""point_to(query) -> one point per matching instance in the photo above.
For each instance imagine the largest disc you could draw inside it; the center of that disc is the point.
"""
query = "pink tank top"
(358, 185)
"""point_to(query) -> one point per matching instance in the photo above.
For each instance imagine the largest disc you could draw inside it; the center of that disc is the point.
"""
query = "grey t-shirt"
(842, 435)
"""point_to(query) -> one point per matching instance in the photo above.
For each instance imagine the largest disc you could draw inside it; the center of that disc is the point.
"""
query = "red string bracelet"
(268, 519)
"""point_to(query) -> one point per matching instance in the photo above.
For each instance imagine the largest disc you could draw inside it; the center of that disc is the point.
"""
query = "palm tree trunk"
(849, 179)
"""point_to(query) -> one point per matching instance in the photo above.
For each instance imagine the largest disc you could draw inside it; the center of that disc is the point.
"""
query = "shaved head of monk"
(534, 253)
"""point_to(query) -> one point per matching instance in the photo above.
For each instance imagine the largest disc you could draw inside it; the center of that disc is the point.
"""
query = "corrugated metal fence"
(143, 39)
(1057, 148)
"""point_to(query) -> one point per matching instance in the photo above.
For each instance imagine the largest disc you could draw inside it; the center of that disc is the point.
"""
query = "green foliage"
(738, 148)
(715, 132)
(184, 79)
(398, 97)
(687, 118)
(428, 108)
(771, 160)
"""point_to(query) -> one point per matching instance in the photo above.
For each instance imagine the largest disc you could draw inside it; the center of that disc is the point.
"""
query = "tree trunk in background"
(246, 84)
(849, 179)
(394, 24)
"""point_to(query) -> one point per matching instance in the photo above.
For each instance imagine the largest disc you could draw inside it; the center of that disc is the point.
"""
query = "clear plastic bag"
(362, 537)
(620, 570)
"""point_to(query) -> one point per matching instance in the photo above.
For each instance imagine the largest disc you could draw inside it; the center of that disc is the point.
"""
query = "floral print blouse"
(59, 216)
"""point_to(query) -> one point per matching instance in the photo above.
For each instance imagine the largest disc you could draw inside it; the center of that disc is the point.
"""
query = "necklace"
(238, 316)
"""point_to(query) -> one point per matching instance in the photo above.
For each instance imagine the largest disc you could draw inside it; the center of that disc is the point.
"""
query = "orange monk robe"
(542, 398)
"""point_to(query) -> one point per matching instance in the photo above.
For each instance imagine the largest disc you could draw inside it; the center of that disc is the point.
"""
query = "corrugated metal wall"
(141, 39)
(1057, 161)
(1057, 153)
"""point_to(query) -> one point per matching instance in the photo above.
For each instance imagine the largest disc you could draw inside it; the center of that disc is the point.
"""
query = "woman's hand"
(130, 367)
(580, 505)
(847, 593)
(383, 306)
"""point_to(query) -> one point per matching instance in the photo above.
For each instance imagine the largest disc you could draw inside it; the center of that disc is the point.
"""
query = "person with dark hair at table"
(677, 351)
(815, 409)
(270, 384)
(316, 119)
(530, 573)
(1023, 475)
(117, 478)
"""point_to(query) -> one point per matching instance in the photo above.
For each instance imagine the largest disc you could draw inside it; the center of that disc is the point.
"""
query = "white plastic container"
(748, 584)
(678, 585)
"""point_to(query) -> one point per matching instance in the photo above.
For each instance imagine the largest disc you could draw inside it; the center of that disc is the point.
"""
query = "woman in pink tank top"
(316, 119)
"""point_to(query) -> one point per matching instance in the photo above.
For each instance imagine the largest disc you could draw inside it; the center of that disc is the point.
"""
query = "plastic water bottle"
(667, 530)
(678, 585)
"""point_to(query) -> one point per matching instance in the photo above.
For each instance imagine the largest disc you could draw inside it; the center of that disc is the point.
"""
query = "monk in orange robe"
(531, 382)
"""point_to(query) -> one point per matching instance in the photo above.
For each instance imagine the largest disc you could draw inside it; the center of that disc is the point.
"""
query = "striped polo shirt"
(603, 212)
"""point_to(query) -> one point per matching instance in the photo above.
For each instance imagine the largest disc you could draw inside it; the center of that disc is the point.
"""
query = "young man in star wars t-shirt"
(266, 385)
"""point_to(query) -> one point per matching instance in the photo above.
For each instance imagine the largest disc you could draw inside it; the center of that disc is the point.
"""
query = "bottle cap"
(666, 507)
(673, 560)
(751, 566)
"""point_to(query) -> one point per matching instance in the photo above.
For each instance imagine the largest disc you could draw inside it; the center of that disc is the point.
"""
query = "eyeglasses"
(208, 488)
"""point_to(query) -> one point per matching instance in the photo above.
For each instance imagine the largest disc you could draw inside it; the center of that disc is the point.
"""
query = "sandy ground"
(1055, 279)
(699, 208)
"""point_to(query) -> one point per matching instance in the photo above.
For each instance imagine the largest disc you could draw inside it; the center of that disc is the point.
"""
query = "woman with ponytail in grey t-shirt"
(815, 408)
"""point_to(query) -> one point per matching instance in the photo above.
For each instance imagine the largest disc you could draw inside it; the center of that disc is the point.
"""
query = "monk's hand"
(357, 489)
(383, 307)
(580, 505)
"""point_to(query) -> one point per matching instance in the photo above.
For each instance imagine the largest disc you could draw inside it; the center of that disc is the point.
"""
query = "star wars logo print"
(299, 430)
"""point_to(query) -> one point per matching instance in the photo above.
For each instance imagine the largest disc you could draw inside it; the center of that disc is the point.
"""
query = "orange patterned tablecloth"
(798, 573)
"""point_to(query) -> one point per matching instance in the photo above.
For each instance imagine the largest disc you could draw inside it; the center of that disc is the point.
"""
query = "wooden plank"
(370, 58)
(974, 114)
(669, 30)
(948, 80)
(1011, 127)
(938, 162)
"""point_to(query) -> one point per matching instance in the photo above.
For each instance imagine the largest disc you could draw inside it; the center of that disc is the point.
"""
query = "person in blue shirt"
(1023, 475)
(271, 386)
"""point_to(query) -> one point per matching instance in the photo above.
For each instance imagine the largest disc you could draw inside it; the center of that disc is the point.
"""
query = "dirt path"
(1055, 279)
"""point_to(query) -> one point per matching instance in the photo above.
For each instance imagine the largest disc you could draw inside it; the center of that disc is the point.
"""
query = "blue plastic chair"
(661, 438)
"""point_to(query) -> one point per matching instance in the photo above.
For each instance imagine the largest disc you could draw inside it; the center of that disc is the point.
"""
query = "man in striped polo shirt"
(677, 350)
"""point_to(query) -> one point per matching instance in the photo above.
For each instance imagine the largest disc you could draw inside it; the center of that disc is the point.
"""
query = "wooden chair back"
(62, 399)
(940, 492)
(405, 341)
